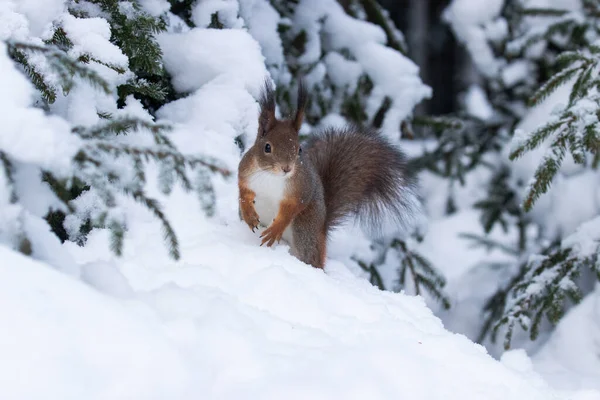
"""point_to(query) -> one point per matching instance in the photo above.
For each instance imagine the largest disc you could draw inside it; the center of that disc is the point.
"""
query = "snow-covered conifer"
(98, 71)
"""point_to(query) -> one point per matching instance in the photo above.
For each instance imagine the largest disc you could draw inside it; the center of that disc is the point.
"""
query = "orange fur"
(288, 209)
(247, 211)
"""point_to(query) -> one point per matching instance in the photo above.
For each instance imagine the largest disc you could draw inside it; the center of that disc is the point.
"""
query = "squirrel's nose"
(286, 168)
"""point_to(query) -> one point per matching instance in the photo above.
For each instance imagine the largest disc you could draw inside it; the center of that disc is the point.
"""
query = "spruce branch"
(87, 58)
(576, 149)
(544, 12)
(206, 191)
(168, 231)
(117, 236)
(554, 83)
(94, 166)
(123, 125)
(424, 276)
(376, 15)
(545, 173)
(572, 132)
(582, 83)
(488, 243)
(539, 136)
(460, 145)
(567, 58)
(374, 275)
(134, 31)
(159, 155)
(438, 123)
(60, 39)
(494, 308)
(547, 282)
(145, 88)
(8, 167)
(591, 139)
(61, 63)
(47, 91)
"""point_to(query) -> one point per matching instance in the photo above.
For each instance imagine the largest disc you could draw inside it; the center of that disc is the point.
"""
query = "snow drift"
(230, 321)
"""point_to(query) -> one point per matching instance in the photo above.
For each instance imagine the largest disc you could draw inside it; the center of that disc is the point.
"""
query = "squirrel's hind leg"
(310, 239)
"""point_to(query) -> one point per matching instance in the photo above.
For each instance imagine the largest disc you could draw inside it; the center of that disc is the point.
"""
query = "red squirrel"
(302, 193)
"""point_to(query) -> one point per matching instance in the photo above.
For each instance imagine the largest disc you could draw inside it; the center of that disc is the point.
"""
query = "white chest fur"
(269, 189)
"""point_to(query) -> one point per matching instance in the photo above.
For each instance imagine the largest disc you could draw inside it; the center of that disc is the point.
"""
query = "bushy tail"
(364, 176)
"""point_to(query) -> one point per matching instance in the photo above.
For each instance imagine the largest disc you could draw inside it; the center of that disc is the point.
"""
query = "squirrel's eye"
(267, 148)
(300, 151)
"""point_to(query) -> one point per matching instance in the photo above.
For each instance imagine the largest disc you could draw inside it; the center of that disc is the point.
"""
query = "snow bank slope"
(63, 340)
(230, 321)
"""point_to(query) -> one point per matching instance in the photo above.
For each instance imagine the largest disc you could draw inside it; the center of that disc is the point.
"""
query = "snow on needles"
(472, 20)
(91, 36)
(27, 133)
(393, 75)
(200, 55)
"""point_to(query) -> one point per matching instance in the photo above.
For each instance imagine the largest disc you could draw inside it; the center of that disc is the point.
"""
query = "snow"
(477, 104)
(230, 53)
(67, 341)
(262, 22)
(473, 12)
(516, 72)
(347, 71)
(92, 36)
(405, 89)
(39, 17)
(35, 194)
(470, 20)
(208, 121)
(226, 11)
(155, 7)
(585, 241)
(252, 323)
(232, 319)
(46, 246)
(14, 24)
(358, 33)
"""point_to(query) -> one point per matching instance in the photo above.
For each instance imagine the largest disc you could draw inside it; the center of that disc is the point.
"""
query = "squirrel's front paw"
(250, 216)
(271, 235)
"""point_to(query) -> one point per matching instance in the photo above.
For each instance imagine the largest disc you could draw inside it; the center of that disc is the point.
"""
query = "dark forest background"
(444, 64)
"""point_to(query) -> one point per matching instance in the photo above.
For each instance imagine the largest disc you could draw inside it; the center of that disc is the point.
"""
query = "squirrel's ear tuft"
(267, 107)
(302, 98)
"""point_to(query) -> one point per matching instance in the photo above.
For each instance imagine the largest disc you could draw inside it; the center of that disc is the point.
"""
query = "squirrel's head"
(277, 142)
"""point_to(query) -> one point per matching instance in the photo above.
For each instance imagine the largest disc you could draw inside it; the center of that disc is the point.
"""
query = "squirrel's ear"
(267, 108)
(302, 97)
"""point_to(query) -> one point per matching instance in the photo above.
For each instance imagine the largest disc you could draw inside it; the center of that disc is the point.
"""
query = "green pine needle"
(544, 12)
(554, 83)
(538, 137)
(544, 175)
(582, 84)
(168, 233)
(117, 237)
